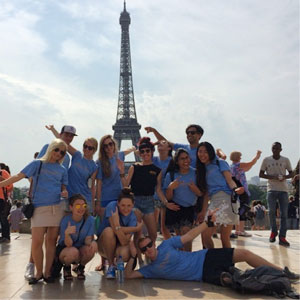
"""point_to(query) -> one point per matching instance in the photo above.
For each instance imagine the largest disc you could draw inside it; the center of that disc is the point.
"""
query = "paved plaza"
(14, 257)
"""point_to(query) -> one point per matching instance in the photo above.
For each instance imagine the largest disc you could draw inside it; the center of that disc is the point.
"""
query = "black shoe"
(49, 279)
(4, 240)
(233, 236)
(283, 241)
(34, 280)
(293, 277)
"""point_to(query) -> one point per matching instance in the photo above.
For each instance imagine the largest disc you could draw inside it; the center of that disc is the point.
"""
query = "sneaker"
(293, 277)
(283, 241)
(244, 234)
(111, 272)
(29, 271)
(272, 238)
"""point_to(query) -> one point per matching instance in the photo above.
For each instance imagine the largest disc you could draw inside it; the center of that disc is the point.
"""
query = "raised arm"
(129, 150)
(248, 165)
(193, 233)
(157, 134)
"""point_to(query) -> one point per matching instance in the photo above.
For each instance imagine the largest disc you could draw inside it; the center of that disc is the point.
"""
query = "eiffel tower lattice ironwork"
(126, 126)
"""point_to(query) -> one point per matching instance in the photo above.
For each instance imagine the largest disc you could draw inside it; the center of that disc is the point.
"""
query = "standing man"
(274, 169)
(193, 134)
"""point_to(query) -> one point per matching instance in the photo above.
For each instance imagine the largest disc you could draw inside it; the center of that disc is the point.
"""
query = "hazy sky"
(231, 66)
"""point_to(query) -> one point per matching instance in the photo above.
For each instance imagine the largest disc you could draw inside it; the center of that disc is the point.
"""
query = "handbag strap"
(79, 231)
(37, 180)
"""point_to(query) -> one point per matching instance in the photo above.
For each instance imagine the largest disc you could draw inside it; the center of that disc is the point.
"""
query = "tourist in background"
(238, 170)
(259, 211)
(275, 168)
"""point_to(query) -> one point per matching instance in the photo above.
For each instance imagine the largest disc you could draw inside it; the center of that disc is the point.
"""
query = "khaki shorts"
(48, 216)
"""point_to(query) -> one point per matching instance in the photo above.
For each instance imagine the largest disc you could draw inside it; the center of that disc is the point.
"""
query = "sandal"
(35, 280)
(80, 272)
(68, 273)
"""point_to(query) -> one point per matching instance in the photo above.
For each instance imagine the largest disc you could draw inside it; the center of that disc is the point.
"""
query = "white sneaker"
(29, 271)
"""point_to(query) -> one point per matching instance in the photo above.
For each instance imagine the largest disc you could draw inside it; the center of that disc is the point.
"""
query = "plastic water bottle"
(120, 269)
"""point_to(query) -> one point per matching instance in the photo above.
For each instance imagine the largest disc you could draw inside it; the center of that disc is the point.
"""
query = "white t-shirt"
(276, 167)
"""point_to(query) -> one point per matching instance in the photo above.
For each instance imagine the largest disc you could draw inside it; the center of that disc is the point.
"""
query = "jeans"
(282, 197)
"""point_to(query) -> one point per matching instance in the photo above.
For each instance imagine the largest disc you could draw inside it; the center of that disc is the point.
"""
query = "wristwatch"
(117, 228)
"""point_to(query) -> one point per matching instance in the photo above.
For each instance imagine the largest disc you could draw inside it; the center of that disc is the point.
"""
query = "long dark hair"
(200, 167)
(173, 164)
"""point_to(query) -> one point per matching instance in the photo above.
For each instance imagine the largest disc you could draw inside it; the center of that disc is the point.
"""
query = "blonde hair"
(93, 141)
(103, 158)
(57, 143)
(235, 155)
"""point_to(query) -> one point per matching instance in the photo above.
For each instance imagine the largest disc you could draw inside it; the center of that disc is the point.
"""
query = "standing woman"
(238, 170)
(144, 177)
(214, 177)
(83, 170)
(49, 185)
(162, 161)
(182, 191)
(109, 178)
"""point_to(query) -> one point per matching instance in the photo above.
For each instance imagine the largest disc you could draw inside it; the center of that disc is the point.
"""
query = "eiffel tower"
(126, 126)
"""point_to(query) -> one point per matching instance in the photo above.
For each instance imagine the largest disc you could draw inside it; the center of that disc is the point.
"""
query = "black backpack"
(263, 279)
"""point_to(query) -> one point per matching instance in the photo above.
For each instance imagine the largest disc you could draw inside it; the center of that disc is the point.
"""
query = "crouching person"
(116, 229)
(76, 244)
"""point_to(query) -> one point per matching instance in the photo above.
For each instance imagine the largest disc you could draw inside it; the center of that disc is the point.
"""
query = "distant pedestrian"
(15, 217)
(260, 216)
(292, 213)
(274, 168)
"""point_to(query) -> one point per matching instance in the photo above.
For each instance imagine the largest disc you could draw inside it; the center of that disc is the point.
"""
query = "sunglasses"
(145, 151)
(60, 151)
(78, 206)
(110, 144)
(149, 245)
(88, 147)
(192, 132)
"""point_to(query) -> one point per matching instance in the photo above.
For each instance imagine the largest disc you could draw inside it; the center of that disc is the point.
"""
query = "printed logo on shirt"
(152, 173)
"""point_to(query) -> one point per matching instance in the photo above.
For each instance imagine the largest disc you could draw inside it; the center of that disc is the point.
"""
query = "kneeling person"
(76, 244)
(116, 230)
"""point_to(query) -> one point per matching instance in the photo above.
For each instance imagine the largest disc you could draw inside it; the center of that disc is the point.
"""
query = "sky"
(231, 66)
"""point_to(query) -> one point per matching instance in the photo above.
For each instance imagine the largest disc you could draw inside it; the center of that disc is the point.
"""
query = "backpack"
(263, 279)
(259, 214)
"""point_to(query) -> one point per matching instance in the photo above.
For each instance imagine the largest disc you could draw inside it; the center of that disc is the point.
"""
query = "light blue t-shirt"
(52, 176)
(192, 152)
(174, 264)
(66, 161)
(87, 229)
(112, 185)
(215, 179)
(163, 165)
(80, 171)
(125, 221)
(183, 195)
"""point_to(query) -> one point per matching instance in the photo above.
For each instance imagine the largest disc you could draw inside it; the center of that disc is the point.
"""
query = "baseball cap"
(69, 129)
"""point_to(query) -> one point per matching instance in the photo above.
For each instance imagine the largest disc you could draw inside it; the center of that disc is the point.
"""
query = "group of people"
(190, 192)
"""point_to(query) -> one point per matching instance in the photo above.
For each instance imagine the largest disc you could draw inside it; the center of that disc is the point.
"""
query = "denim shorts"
(145, 204)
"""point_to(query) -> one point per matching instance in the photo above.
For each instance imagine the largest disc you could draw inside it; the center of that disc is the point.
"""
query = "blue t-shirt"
(215, 179)
(80, 171)
(87, 229)
(125, 221)
(163, 165)
(66, 161)
(183, 195)
(174, 264)
(192, 152)
(52, 176)
(112, 185)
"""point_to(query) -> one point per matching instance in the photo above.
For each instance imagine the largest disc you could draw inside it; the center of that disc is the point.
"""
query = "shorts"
(228, 212)
(216, 262)
(180, 218)
(145, 204)
(48, 216)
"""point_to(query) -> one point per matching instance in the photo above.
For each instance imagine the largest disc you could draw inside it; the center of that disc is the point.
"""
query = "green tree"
(257, 194)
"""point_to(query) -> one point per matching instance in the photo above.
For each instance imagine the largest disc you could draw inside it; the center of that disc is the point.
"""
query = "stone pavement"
(14, 256)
